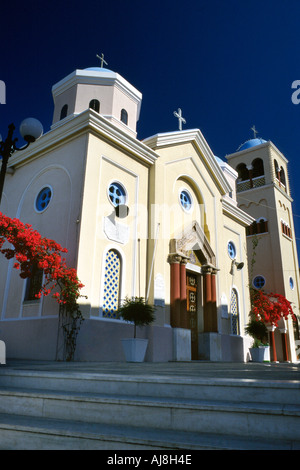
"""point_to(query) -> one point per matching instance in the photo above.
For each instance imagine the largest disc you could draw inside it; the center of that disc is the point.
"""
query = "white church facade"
(161, 219)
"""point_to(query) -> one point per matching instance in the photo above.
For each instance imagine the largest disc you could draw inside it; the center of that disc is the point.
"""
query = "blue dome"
(251, 143)
(98, 69)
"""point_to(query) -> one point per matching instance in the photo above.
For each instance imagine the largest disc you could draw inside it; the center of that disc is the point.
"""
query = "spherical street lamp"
(30, 129)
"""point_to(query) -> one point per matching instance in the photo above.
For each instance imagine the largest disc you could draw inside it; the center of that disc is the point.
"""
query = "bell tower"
(263, 192)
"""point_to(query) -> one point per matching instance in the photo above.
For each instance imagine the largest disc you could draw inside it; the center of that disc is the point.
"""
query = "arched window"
(286, 229)
(258, 168)
(243, 173)
(282, 176)
(33, 284)
(64, 111)
(276, 168)
(95, 105)
(124, 116)
(234, 308)
(263, 225)
(112, 284)
(260, 226)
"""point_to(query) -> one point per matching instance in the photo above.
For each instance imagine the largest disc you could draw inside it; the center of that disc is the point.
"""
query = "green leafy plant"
(258, 331)
(136, 310)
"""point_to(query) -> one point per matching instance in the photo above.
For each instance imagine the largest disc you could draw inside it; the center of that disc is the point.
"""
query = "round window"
(185, 200)
(231, 250)
(116, 194)
(43, 199)
(259, 282)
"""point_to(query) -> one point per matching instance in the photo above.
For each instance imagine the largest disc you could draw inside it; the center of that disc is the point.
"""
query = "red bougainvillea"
(30, 249)
(270, 308)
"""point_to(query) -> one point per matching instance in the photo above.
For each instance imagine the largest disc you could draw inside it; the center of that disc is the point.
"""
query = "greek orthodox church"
(163, 218)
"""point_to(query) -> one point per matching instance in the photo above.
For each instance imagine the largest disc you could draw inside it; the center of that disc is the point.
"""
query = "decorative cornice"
(196, 137)
(237, 213)
(85, 122)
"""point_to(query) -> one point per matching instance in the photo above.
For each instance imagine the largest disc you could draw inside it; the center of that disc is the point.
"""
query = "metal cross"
(102, 59)
(181, 120)
(254, 131)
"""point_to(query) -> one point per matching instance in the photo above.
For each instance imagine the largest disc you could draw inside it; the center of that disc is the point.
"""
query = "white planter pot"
(260, 354)
(135, 349)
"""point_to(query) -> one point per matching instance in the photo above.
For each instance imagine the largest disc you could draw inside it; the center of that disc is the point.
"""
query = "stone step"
(244, 419)
(245, 390)
(19, 432)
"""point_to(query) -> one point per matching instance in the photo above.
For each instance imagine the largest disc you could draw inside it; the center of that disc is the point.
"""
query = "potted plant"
(260, 350)
(137, 311)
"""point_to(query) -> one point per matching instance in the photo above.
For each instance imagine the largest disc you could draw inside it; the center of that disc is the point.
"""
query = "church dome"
(251, 143)
(98, 69)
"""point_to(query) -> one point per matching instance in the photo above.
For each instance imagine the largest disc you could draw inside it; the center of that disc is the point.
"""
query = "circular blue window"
(259, 282)
(231, 250)
(117, 194)
(186, 200)
(43, 199)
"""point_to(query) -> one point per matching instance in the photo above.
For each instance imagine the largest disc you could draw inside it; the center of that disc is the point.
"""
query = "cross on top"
(102, 59)
(181, 119)
(254, 131)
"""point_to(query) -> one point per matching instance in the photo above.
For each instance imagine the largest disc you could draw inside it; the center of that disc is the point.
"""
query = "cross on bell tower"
(254, 131)
(102, 59)
(181, 119)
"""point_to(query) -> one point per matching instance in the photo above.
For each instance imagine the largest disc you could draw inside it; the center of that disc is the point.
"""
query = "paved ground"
(200, 369)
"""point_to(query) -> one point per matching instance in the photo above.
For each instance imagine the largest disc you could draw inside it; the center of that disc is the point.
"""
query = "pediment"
(197, 140)
(193, 239)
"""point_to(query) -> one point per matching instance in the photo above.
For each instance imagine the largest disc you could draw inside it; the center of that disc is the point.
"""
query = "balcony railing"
(250, 184)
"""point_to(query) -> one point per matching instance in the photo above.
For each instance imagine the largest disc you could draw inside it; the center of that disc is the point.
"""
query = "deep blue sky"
(228, 64)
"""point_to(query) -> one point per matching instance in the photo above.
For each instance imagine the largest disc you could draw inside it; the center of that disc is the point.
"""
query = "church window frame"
(116, 193)
(243, 172)
(259, 282)
(231, 250)
(33, 285)
(286, 229)
(234, 312)
(43, 199)
(258, 168)
(124, 116)
(291, 283)
(282, 176)
(259, 226)
(186, 200)
(95, 105)
(112, 283)
(63, 112)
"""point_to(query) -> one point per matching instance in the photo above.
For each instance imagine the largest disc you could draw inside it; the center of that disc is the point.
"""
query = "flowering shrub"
(270, 308)
(30, 249)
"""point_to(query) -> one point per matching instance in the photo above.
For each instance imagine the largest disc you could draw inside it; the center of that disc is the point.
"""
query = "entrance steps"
(78, 410)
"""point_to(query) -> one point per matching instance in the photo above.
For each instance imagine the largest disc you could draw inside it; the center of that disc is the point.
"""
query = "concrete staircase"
(71, 410)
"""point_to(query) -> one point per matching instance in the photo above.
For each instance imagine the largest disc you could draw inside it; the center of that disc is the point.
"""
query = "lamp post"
(30, 129)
